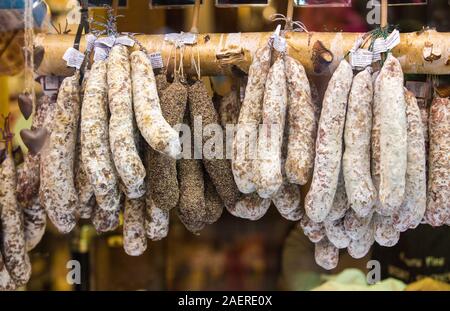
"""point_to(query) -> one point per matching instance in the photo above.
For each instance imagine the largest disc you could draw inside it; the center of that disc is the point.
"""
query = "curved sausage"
(301, 123)
(361, 192)
(250, 206)
(250, 117)
(313, 230)
(326, 254)
(411, 212)
(121, 123)
(134, 239)
(319, 199)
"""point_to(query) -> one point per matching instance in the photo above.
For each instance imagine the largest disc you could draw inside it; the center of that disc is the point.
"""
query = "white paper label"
(156, 60)
(50, 84)
(90, 41)
(171, 37)
(107, 41)
(392, 40)
(379, 46)
(101, 53)
(279, 43)
(124, 40)
(73, 58)
(361, 58)
(188, 38)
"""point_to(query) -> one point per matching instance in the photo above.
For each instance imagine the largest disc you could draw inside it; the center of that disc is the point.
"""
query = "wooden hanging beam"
(222, 54)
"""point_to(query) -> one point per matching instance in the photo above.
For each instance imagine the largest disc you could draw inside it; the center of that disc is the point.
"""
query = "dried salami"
(360, 247)
(229, 107)
(250, 117)
(121, 123)
(250, 206)
(57, 191)
(326, 254)
(287, 201)
(217, 167)
(361, 192)
(438, 206)
(134, 238)
(336, 233)
(356, 226)
(151, 123)
(301, 123)
(340, 202)
(95, 148)
(12, 239)
(319, 199)
(411, 212)
(393, 134)
(313, 230)
(384, 231)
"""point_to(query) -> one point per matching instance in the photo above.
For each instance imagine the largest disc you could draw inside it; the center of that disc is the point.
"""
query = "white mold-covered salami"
(152, 125)
(301, 123)
(326, 254)
(250, 117)
(156, 221)
(355, 226)
(340, 202)
(361, 247)
(267, 167)
(336, 234)
(250, 206)
(121, 123)
(438, 202)
(375, 142)
(411, 212)
(327, 163)
(384, 232)
(6, 283)
(107, 210)
(57, 191)
(361, 192)
(96, 151)
(12, 235)
(85, 191)
(287, 201)
(134, 239)
(393, 145)
(313, 230)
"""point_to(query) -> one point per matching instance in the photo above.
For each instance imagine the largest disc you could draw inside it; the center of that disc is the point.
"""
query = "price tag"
(361, 58)
(73, 58)
(379, 46)
(106, 41)
(90, 41)
(124, 40)
(50, 84)
(101, 53)
(392, 40)
(156, 60)
(188, 38)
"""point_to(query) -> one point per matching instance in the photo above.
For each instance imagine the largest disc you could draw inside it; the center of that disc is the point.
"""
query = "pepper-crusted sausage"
(301, 123)
(95, 148)
(57, 191)
(250, 117)
(393, 148)
(154, 128)
(6, 283)
(213, 203)
(361, 192)
(267, 167)
(121, 123)
(327, 163)
(411, 212)
(218, 169)
(134, 239)
(12, 239)
(438, 206)
(162, 170)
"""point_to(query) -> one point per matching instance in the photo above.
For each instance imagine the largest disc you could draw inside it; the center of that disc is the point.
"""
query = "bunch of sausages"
(113, 146)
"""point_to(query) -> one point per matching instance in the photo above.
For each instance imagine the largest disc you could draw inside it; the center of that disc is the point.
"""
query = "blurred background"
(233, 254)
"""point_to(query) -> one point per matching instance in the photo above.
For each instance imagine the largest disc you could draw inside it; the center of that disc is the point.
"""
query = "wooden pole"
(216, 58)
(384, 13)
(289, 15)
(194, 28)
